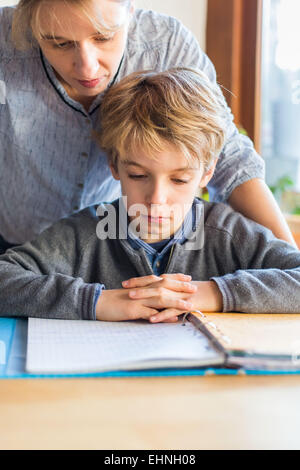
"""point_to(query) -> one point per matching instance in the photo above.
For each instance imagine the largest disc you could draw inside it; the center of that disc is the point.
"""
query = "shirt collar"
(64, 95)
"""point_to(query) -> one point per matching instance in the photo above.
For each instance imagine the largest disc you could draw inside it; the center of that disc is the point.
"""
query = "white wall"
(5, 3)
(192, 13)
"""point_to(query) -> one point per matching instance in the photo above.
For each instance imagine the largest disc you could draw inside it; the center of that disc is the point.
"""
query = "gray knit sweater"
(57, 275)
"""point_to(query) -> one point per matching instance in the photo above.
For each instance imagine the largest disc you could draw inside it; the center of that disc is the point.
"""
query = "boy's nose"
(86, 62)
(157, 195)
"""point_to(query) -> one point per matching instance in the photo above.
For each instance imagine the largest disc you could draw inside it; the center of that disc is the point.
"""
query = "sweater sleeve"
(238, 161)
(47, 277)
(268, 280)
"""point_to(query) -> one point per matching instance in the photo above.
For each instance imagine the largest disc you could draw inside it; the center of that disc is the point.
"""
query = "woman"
(56, 59)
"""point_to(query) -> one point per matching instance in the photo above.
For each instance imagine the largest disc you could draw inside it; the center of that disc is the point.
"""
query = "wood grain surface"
(151, 413)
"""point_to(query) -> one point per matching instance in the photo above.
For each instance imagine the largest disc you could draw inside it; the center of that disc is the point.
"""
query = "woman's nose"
(86, 62)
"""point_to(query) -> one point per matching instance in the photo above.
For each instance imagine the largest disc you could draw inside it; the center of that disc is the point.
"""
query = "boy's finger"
(147, 280)
(177, 276)
(175, 286)
(171, 320)
(165, 316)
(178, 286)
(142, 313)
(162, 303)
(140, 281)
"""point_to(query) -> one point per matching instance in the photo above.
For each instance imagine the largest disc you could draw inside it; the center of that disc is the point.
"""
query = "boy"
(163, 133)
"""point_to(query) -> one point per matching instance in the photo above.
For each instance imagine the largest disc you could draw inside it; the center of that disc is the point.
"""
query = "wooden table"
(151, 413)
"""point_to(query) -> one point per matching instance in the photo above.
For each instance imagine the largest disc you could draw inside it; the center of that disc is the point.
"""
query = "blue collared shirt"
(50, 166)
(158, 253)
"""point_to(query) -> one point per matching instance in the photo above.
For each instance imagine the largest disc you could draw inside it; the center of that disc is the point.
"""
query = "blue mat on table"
(13, 345)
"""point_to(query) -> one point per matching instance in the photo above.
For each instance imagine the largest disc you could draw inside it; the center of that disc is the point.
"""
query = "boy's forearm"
(254, 200)
(261, 291)
(24, 293)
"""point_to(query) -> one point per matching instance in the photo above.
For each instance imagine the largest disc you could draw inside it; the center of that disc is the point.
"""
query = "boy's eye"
(179, 181)
(137, 177)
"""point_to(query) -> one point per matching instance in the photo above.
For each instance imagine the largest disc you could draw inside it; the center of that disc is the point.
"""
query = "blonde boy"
(163, 133)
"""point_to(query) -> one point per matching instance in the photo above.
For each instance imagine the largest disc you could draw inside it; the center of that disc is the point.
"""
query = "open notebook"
(254, 341)
(263, 342)
(66, 346)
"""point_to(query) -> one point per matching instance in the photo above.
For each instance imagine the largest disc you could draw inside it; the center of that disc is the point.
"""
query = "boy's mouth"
(155, 219)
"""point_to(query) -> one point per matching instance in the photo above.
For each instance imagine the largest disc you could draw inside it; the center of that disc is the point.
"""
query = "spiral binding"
(212, 327)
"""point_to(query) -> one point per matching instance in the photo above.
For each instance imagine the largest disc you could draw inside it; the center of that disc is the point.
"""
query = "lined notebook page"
(68, 346)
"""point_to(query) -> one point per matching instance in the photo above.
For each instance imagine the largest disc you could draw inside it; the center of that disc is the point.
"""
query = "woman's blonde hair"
(26, 27)
(145, 110)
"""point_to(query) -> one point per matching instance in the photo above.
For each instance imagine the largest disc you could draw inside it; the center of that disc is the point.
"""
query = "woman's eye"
(103, 39)
(62, 45)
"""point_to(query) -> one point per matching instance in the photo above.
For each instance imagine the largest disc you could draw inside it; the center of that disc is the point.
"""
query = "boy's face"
(84, 60)
(163, 187)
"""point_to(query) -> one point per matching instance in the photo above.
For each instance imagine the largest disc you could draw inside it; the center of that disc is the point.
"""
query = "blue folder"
(13, 345)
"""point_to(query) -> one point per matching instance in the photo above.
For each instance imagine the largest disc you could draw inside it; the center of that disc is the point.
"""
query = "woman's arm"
(255, 201)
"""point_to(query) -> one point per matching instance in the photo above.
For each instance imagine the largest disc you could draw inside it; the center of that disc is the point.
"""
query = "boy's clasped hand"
(158, 298)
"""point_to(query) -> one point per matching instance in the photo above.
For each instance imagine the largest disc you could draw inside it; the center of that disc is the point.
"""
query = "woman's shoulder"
(6, 16)
(152, 28)
(160, 42)
(6, 45)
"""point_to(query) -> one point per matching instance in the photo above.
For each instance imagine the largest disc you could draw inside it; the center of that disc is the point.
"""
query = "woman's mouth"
(90, 83)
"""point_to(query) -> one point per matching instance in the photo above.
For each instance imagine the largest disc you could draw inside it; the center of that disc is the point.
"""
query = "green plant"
(205, 195)
(281, 185)
(288, 200)
(296, 211)
(243, 131)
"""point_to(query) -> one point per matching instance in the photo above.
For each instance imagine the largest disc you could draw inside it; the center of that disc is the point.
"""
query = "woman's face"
(84, 59)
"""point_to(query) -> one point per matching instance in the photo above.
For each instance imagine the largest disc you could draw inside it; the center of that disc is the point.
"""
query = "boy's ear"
(114, 171)
(208, 175)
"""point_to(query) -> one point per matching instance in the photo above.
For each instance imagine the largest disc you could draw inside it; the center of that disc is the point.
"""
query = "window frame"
(233, 43)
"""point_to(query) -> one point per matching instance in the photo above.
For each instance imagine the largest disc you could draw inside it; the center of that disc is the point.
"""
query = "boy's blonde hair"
(26, 27)
(146, 110)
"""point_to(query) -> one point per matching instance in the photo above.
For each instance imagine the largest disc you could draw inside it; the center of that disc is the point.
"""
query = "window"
(280, 126)
(255, 46)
